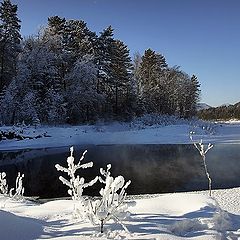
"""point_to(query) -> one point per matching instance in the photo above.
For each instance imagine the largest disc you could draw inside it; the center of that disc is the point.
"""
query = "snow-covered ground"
(166, 216)
(123, 133)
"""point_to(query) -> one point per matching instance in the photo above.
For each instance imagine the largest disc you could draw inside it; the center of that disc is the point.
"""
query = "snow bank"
(174, 204)
(15, 227)
(123, 133)
(167, 216)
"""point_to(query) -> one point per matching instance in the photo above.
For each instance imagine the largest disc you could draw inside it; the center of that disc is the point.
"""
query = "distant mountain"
(225, 105)
(202, 106)
(237, 105)
(223, 112)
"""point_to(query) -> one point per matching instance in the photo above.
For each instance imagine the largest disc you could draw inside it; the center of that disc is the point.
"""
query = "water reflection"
(152, 168)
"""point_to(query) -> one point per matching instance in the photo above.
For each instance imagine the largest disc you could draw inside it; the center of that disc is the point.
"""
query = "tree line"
(69, 74)
(221, 113)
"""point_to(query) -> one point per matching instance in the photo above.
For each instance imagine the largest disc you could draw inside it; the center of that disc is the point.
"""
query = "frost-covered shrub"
(112, 204)
(3, 183)
(75, 183)
(157, 120)
(19, 189)
(36, 121)
(203, 151)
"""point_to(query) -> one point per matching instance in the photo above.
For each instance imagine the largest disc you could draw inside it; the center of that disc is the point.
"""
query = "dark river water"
(151, 168)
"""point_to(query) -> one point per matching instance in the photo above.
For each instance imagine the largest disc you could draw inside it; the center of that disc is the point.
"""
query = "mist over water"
(151, 168)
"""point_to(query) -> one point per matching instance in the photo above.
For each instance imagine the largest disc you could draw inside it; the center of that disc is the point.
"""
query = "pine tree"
(120, 76)
(152, 65)
(76, 37)
(172, 88)
(10, 38)
(75, 41)
(192, 96)
(56, 25)
(152, 80)
(103, 58)
(137, 60)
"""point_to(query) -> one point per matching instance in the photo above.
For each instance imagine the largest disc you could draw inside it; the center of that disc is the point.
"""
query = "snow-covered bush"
(203, 151)
(156, 120)
(75, 183)
(19, 189)
(112, 204)
(3, 183)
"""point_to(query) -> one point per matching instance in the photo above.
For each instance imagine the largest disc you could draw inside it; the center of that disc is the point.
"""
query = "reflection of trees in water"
(8, 156)
(156, 168)
(152, 168)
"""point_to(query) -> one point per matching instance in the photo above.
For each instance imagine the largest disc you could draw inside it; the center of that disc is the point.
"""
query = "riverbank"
(122, 133)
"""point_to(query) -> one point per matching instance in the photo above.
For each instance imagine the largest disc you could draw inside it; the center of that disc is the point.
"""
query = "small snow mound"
(112, 234)
(221, 221)
(185, 227)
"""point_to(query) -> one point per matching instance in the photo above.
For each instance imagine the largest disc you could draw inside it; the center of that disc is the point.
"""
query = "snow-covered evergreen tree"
(103, 54)
(76, 38)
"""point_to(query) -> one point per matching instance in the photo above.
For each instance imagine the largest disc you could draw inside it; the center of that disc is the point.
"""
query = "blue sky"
(201, 36)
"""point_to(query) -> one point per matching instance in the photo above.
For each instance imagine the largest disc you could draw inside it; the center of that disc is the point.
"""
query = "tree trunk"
(101, 226)
(116, 98)
(87, 113)
(2, 71)
(13, 117)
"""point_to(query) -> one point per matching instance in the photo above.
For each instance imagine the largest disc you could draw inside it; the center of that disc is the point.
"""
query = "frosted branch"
(203, 151)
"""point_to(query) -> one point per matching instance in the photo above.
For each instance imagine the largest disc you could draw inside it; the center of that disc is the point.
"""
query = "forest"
(67, 73)
(221, 113)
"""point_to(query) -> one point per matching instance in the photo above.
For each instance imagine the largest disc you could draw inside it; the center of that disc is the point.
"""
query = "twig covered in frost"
(19, 189)
(3, 183)
(112, 204)
(203, 151)
(75, 183)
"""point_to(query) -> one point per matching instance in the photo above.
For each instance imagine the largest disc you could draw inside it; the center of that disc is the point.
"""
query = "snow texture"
(165, 216)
